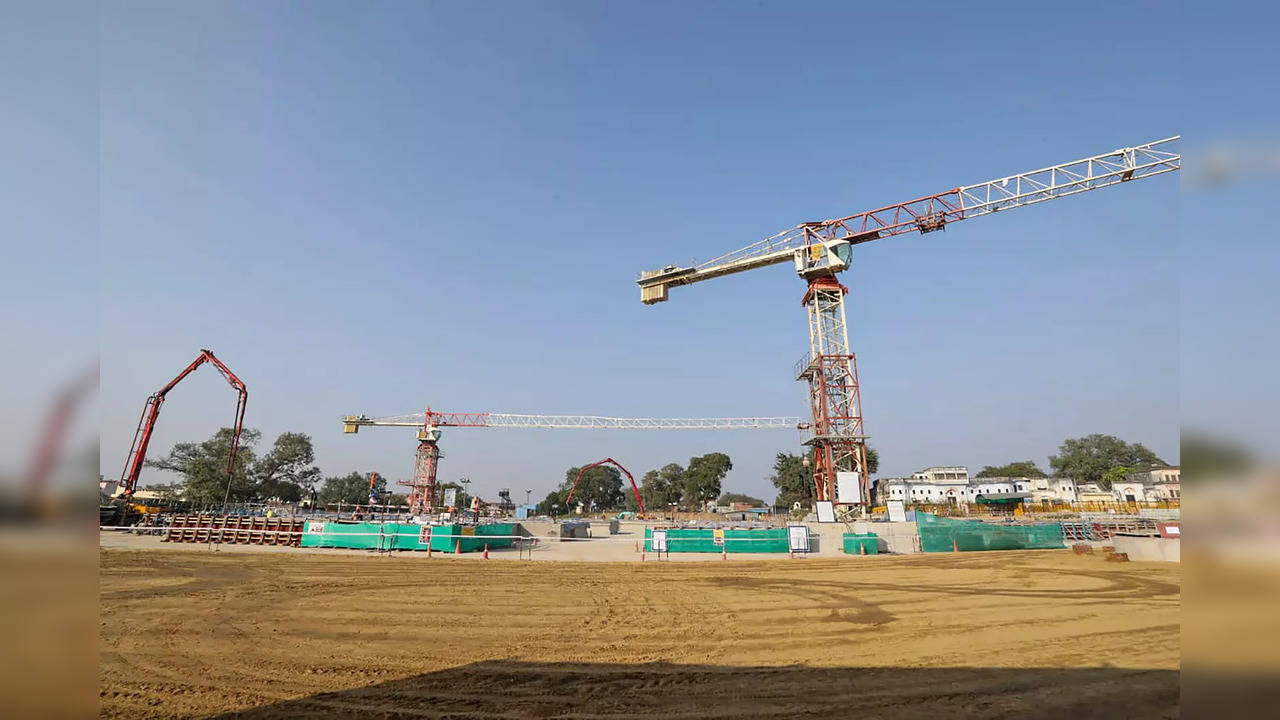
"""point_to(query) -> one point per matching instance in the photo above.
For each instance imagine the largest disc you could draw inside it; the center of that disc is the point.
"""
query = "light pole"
(466, 482)
(528, 495)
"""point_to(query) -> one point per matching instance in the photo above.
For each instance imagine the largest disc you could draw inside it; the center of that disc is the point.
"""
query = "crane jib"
(930, 213)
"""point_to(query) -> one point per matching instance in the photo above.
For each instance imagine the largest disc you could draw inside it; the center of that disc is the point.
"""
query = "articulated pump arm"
(616, 464)
(151, 411)
(923, 215)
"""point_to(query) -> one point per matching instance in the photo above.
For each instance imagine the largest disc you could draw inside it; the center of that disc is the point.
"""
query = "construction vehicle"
(146, 427)
(821, 250)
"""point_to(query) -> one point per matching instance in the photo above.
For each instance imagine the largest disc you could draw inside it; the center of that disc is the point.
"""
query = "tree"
(278, 489)
(291, 461)
(1087, 459)
(600, 488)
(461, 501)
(702, 478)
(730, 498)
(351, 488)
(873, 461)
(1117, 474)
(1024, 468)
(661, 487)
(793, 480)
(397, 499)
(551, 504)
(203, 467)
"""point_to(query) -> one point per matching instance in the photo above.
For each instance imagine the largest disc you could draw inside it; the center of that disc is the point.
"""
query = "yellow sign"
(468, 531)
(717, 536)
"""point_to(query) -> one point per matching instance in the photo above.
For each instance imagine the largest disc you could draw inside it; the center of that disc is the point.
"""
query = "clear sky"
(373, 207)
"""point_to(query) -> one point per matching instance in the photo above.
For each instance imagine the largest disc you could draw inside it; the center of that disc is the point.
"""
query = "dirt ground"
(1014, 634)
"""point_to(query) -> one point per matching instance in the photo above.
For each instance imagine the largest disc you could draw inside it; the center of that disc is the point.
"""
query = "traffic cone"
(486, 551)
(724, 553)
(954, 546)
(862, 549)
(457, 547)
(641, 556)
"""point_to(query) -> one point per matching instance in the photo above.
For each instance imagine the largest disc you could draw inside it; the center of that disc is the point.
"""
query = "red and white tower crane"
(422, 494)
(820, 250)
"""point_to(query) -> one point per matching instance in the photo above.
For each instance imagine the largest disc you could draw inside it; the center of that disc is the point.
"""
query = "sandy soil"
(1018, 634)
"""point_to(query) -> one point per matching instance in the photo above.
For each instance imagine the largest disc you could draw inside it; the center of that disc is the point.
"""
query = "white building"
(952, 485)
(1160, 483)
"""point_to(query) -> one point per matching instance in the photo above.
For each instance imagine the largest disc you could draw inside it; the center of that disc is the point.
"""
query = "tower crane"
(820, 250)
(151, 412)
(422, 493)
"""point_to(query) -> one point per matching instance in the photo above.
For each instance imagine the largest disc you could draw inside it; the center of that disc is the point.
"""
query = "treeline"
(602, 488)
(284, 473)
(1097, 458)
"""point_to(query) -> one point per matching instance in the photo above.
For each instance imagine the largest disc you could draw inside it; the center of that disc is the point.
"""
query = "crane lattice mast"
(422, 487)
(820, 250)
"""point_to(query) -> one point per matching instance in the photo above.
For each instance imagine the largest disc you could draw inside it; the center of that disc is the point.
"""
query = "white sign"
(424, 535)
(826, 511)
(849, 488)
(660, 541)
(315, 527)
(897, 511)
(798, 536)
(450, 496)
(1173, 530)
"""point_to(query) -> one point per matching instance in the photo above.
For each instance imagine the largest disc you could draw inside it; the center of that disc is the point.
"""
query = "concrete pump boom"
(151, 412)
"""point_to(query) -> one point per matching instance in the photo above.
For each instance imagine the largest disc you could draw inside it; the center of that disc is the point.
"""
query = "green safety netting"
(406, 536)
(855, 542)
(940, 534)
(770, 540)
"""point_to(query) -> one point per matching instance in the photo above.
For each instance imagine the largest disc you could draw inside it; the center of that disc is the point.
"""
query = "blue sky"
(373, 207)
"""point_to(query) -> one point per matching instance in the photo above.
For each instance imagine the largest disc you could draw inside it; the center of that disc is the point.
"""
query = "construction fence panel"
(939, 534)
(861, 544)
(407, 536)
(714, 540)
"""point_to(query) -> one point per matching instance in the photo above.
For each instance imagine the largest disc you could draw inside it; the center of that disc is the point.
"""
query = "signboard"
(826, 511)
(717, 536)
(450, 496)
(798, 538)
(897, 511)
(849, 488)
(315, 527)
(660, 541)
(424, 535)
(468, 531)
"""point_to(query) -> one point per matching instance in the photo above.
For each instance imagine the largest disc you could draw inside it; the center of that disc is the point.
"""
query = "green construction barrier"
(736, 540)
(406, 536)
(855, 542)
(939, 534)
